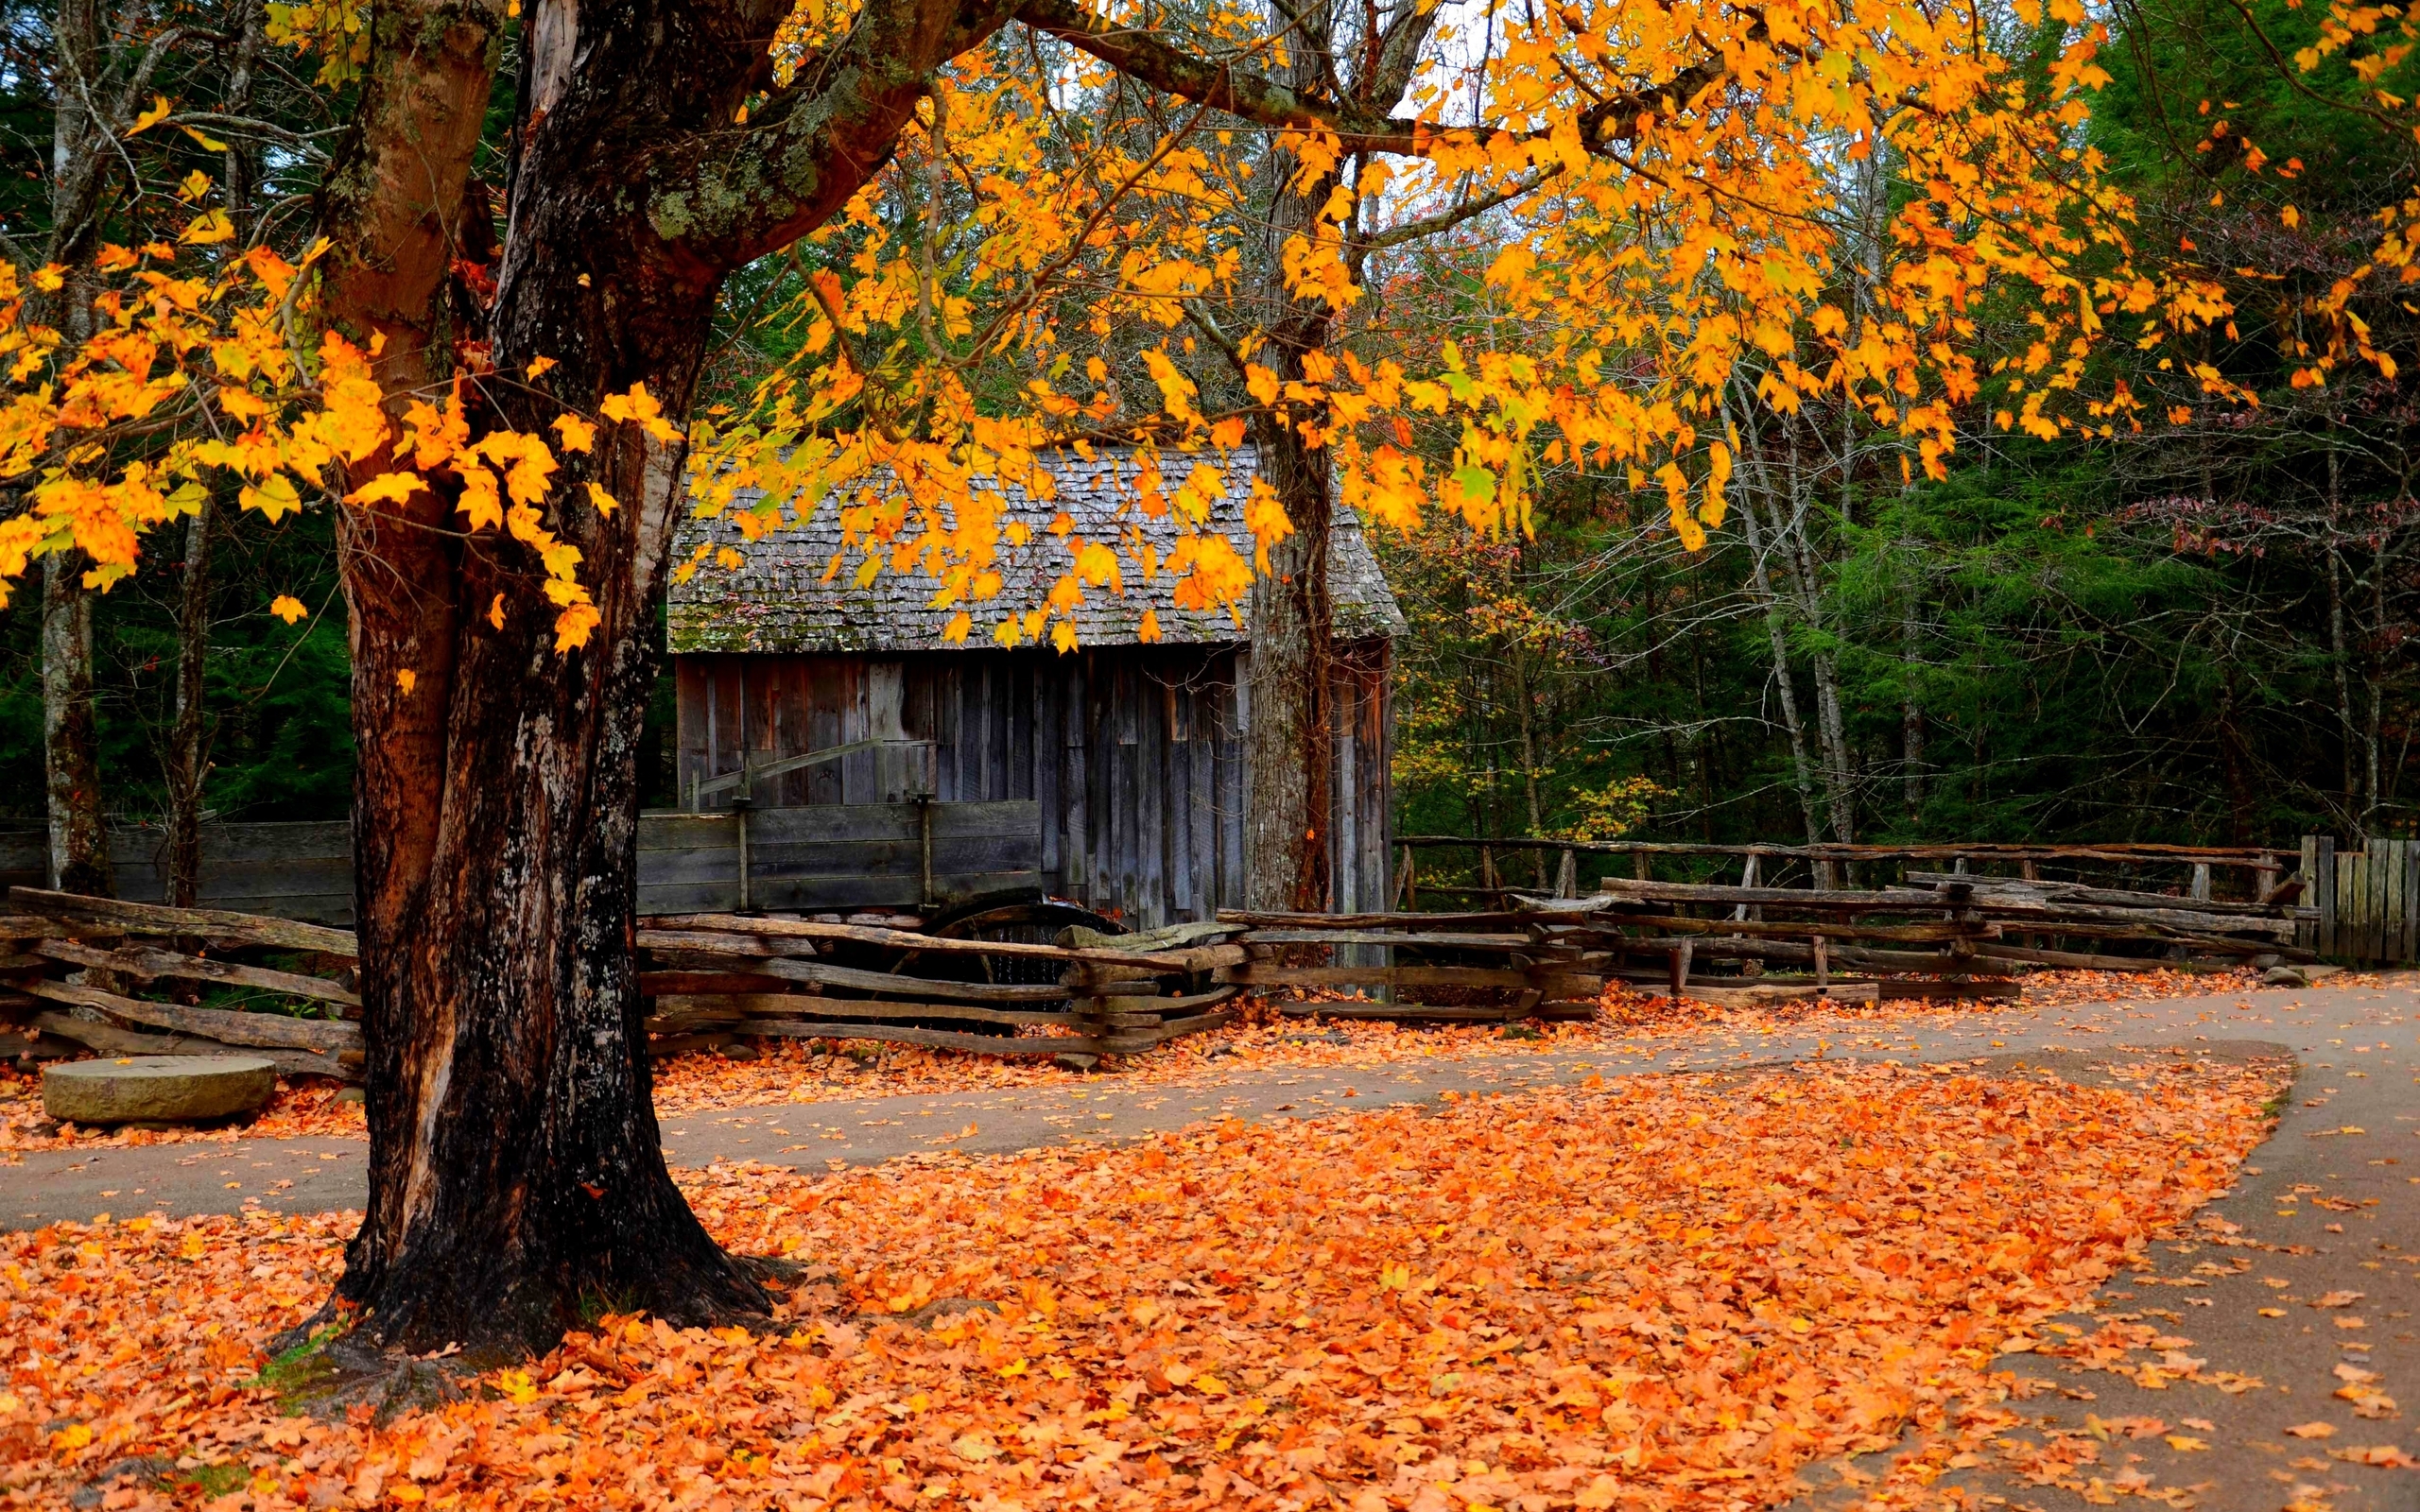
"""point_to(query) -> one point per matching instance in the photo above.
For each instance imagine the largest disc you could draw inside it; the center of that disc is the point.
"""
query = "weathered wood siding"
(1133, 756)
(291, 871)
(829, 856)
(2368, 900)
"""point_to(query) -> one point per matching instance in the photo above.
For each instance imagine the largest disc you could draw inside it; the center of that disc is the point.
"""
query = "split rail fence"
(125, 977)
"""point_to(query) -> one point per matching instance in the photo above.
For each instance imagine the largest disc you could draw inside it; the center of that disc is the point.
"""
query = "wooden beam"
(155, 919)
(755, 1006)
(989, 1045)
(273, 1030)
(1945, 929)
(136, 960)
(819, 975)
(111, 1039)
(730, 933)
(1258, 974)
(1432, 939)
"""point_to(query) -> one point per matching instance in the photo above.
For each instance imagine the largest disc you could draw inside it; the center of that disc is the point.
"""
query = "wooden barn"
(880, 765)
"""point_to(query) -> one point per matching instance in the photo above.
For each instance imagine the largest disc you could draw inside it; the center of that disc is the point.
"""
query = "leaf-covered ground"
(1665, 1292)
(788, 1071)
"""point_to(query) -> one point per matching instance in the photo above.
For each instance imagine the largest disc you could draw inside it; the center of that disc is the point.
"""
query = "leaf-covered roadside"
(794, 1070)
(1666, 1292)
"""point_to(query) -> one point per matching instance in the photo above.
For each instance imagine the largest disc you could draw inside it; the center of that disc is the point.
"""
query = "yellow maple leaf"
(606, 503)
(287, 608)
(571, 626)
(145, 122)
(640, 407)
(388, 488)
(274, 496)
(578, 433)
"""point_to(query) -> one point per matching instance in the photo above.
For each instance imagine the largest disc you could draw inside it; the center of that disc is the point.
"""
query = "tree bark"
(1912, 709)
(1291, 745)
(80, 839)
(1776, 634)
(188, 753)
(517, 1172)
(1837, 770)
(81, 172)
(1524, 705)
(2340, 652)
(1291, 742)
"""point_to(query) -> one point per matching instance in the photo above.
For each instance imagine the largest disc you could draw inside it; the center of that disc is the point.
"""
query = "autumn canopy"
(576, 269)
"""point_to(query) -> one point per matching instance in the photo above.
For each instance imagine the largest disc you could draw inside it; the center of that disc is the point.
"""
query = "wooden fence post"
(739, 807)
(2323, 883)
(1566, 876)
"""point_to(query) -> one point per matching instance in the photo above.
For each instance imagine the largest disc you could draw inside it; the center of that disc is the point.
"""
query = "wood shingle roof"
(779, 600)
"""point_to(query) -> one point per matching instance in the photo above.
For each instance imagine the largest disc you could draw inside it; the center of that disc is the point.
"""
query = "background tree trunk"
(80, 839)
(188, 755)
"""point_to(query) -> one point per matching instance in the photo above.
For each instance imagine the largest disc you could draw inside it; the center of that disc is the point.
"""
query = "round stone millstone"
(170, 1089)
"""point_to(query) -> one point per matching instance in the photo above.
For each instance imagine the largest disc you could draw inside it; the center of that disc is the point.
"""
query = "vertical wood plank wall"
(2368, 900)
(1134, 754)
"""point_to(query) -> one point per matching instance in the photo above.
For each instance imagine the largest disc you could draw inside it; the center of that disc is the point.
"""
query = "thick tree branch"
(1146, 58)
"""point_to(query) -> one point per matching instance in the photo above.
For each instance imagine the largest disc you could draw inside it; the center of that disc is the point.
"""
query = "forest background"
(2194, 634)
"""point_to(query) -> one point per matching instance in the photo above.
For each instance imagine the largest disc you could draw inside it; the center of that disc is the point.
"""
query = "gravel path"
(305, 1174)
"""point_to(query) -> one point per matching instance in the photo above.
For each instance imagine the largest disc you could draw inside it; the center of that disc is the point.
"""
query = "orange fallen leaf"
(2381, 1454)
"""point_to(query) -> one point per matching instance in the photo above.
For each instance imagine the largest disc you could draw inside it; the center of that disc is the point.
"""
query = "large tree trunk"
(1290, 741)
(81, 171)
(517, 1175)
(1293, 651)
